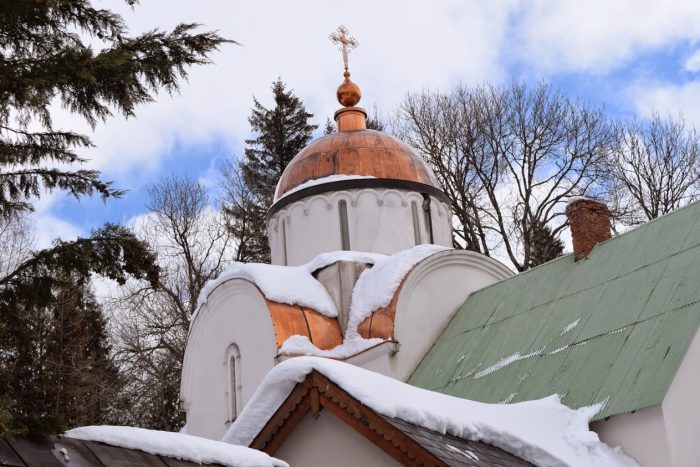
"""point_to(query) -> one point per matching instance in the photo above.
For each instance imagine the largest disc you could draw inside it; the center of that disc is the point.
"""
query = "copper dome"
(358, 152)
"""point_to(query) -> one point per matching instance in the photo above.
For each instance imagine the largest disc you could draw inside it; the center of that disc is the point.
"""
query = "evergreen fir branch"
(111, 251)
(23, 147)
(21, 185)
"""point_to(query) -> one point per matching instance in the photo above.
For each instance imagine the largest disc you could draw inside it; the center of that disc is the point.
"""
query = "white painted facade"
(330, 441)
(431, 294)
(235, 316)
(664, 435)
(379, 220)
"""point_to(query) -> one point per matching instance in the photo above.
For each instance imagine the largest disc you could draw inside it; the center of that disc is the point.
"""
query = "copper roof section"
(380, 323)
(290, 320)
(359, 152)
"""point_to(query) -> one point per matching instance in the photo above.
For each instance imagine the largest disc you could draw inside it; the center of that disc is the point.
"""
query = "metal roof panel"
(609, 329)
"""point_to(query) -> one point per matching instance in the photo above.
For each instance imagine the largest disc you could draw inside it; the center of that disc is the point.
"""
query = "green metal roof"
(612, 328)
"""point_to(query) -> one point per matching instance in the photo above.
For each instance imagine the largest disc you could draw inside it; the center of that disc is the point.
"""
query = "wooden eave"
(407, 443)
(317, 392)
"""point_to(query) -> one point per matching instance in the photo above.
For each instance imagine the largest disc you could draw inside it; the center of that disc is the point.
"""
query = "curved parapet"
(429, 295)
(237, 315)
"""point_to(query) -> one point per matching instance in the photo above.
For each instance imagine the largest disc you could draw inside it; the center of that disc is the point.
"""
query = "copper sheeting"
(380, 323)
(361, 152)
(325, 331)
(289, 320)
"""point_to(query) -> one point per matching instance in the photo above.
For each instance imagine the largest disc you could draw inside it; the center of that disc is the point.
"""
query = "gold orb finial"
(348, 92)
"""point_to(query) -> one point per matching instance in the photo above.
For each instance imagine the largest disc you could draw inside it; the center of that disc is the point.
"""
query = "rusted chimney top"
(590, 223)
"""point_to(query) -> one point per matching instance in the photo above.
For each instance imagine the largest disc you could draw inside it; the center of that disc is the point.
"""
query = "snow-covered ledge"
(372, 352)
(544, 432)
(176, 445)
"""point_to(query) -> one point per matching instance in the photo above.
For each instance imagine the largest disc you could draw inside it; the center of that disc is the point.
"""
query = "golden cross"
(341, 38)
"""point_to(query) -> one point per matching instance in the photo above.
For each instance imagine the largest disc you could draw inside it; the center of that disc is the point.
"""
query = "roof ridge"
(612, 239)
(585, 289)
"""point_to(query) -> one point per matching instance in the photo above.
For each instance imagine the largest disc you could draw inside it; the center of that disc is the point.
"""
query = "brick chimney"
(590, 224)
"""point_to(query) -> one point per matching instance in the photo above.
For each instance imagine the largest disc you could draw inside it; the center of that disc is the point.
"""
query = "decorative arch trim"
(354, 184)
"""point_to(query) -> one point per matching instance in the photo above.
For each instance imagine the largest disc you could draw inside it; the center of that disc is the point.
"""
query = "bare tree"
(17, 239)
(193, 246)
(440, 127)
(509, 158)
(656, 165)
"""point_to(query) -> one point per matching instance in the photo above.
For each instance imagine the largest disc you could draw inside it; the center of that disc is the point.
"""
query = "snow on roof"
(321, 181)
(177, 445)
(296, 285)
(293, 285)
(301, 345)
(326, 259)
(544, 432)
(375, 288)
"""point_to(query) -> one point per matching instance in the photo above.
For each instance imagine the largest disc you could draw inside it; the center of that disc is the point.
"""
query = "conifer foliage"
(43, 59)
(52, 333)
(58, 371)
(281, 132)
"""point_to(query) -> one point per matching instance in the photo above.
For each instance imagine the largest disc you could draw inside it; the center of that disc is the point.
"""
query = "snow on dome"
(544, 432)
(177, 445)
(376, 287)
(322, 181)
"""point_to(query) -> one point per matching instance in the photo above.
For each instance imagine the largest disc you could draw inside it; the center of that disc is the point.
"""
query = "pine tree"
(543, 245)
(375, 120)
(281, 133)
(56, 370)
(43, 60)
(329, 127)
(47, 58)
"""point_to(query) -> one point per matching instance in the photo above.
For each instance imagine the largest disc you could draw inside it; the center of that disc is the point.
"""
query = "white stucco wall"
(379, 221)
(330, 441)
(666, 434)
(431, 294)
(681, 408)
(642, 435)
(235, 313)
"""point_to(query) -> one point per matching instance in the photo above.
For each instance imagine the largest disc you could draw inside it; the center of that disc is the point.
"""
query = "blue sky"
(633, 56)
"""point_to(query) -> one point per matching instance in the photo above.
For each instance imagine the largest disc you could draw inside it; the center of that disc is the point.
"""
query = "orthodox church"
(362, 271)
(369, 340)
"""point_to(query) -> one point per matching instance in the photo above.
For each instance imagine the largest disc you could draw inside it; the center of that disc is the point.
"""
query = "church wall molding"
(354, 184)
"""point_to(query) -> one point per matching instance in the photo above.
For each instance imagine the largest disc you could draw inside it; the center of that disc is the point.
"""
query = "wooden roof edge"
(318, 392)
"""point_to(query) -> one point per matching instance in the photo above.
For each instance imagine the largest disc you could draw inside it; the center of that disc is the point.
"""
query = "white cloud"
(50, 228)
(46, 225)
(692, 63)
(403, 46)
(669, 99)
(599, 35)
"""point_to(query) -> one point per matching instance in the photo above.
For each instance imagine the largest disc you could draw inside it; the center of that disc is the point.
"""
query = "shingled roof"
(610, 329)
(55, 451)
